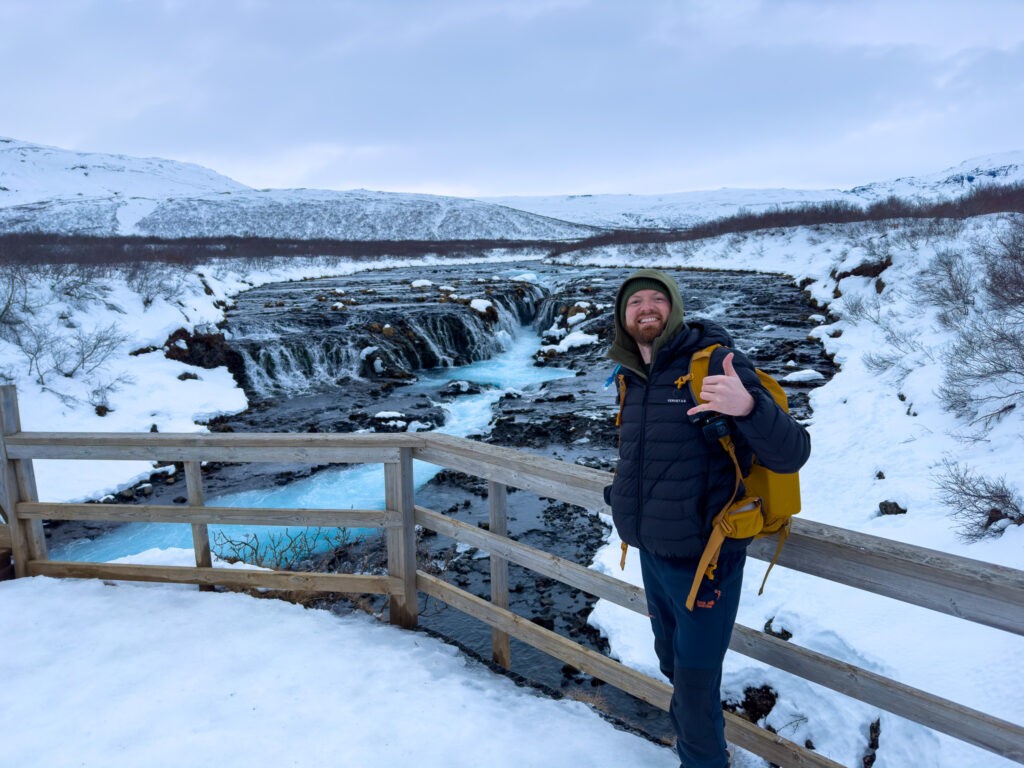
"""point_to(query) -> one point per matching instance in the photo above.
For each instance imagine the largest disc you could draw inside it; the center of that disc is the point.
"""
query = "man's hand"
(725, 394)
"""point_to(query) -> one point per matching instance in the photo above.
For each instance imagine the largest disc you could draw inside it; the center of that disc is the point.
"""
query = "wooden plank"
(540, 474)
(497, 505)
(999, 736)
(963, 723)
(566, 571)
(5, 536)
(25, 477)
(737, 730)
(200, 533)
(25, 535)
(240, 446)
(228, 577)
(969, 589)
(340, 518)
(980, 592)
(401, 539)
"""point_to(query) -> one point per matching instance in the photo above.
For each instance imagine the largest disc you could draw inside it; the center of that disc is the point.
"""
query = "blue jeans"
(691, 647)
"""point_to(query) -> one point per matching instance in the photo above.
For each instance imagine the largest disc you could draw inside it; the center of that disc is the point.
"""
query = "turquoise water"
(353, 487)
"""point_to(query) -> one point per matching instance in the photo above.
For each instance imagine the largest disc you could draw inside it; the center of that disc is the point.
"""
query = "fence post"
(18, 483)
(497, 504)
(401, 537)
(200, 533)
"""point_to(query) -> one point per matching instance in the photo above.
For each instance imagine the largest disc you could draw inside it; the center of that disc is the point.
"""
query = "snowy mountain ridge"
(685, 209)
(51, 190)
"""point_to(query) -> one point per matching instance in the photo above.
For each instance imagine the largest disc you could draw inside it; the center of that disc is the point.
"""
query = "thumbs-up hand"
(725, 394)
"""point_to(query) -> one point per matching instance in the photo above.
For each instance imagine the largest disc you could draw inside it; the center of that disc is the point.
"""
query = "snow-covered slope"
(45, 189)
(685, 209)
(31, 173)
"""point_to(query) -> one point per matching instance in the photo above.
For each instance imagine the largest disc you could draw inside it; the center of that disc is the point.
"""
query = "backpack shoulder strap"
(700, 361)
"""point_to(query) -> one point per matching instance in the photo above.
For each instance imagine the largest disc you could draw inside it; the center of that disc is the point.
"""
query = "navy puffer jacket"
(671, 481)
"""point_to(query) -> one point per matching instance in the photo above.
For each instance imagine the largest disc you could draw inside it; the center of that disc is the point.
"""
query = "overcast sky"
(471, 97)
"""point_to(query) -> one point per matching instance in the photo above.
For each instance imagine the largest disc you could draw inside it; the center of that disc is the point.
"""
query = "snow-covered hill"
(50, 190)
(685, 209)
(32, 173)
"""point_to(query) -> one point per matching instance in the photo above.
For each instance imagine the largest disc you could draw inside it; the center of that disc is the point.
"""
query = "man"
(670, 483)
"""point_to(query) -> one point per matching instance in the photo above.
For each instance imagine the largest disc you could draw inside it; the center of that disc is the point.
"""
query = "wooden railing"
(971, 590)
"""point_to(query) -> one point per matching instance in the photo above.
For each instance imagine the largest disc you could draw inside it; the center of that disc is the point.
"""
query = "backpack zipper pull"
(608, 382)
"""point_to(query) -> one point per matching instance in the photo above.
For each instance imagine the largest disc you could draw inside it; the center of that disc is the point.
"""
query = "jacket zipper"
(643, 440)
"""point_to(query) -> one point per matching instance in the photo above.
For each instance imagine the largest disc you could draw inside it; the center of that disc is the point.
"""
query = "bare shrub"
(1004, 268)
(983, 507)
(949, 282)
(100, 394)
(985, 363)
(87, 351)
(154, 280)
(286, 550)
(984, 367)
(859, 309)
(43, 347)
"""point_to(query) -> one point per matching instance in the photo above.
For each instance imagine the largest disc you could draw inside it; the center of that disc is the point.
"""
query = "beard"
(645, 334)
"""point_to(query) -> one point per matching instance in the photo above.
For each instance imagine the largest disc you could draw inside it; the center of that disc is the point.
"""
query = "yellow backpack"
(772, 498)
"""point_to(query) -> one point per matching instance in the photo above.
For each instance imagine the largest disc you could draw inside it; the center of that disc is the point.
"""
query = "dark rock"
(891, 508)
(187, 376)
(180, 500)
(756, 705)
(782, 633)
(103, 410)
(460, 387)
(870, 754)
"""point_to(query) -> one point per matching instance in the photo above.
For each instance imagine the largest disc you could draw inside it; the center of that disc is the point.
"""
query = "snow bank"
(164, 675)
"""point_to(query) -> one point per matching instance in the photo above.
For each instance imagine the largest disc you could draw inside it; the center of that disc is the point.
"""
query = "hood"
(624, 350)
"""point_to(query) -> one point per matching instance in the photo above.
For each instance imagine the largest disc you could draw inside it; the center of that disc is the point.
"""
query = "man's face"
(646, 315)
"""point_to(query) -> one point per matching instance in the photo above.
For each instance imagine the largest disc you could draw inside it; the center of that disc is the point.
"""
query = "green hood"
(624, 350)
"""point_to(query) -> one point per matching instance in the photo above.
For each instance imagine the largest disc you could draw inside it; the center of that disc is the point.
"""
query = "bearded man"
(670, 482)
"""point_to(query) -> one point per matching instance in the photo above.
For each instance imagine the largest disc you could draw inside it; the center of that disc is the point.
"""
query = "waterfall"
(291, 345)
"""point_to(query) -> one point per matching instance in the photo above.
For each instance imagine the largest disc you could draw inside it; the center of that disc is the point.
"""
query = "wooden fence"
(968, 589)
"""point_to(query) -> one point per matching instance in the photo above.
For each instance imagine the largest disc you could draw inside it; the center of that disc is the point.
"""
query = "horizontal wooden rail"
(548, 477)
(240, 446)
(969, 589)
(737, 730)
(566, 571)
(151, 513)
(967, 724)
(227, 577)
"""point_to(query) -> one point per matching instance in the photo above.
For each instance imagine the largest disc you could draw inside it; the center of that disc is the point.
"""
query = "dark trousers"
(691, 646)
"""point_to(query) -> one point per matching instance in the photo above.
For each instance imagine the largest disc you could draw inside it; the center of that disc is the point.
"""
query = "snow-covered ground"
(876, 437)
(164, 676)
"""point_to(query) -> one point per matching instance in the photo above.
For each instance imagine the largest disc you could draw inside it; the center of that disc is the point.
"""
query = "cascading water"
(277, 360)
(309, 338)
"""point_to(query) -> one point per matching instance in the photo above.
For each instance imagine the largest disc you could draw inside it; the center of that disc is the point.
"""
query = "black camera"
(714, 425)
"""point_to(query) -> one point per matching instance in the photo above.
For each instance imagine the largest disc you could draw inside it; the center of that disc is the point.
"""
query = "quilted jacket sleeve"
(777, 439)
